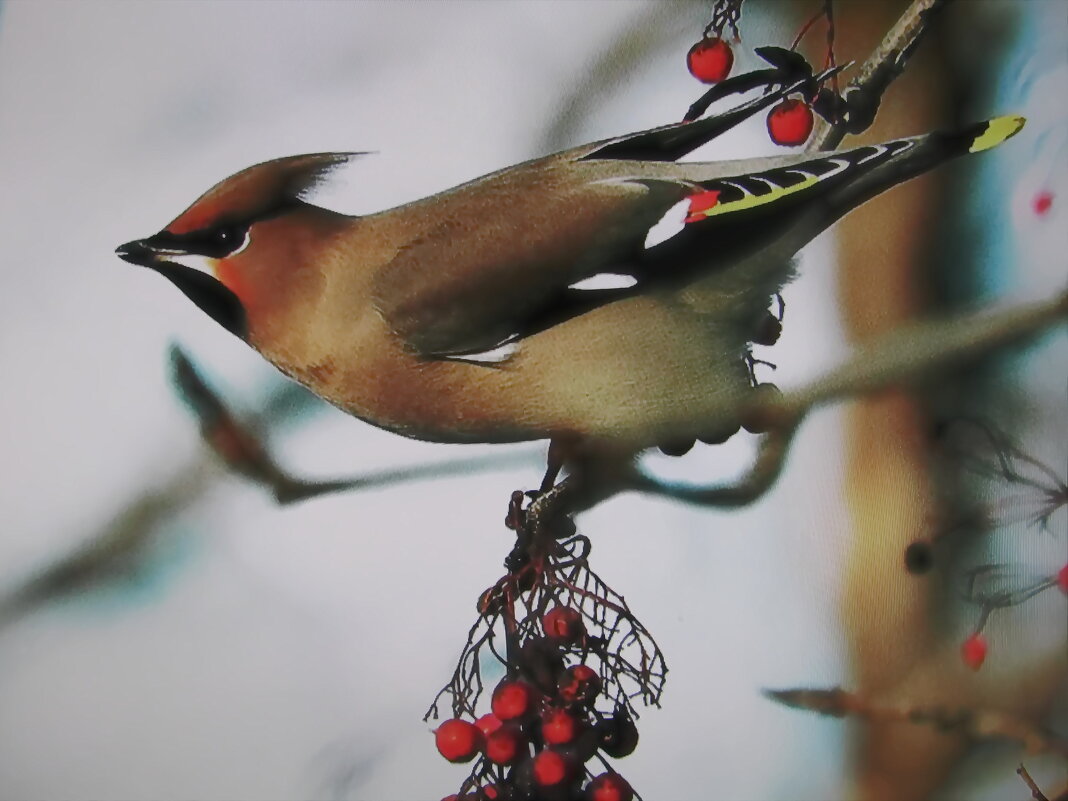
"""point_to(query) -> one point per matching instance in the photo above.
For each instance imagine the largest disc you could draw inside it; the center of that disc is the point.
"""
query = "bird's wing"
(524, 250)
(521, 250)
(512, 254)
(517, 253)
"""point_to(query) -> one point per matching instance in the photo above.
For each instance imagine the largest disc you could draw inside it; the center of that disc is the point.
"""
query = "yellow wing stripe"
(752, 201)
(997, 131)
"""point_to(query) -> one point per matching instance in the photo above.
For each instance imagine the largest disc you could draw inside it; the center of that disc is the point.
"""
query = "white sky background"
(281, 644)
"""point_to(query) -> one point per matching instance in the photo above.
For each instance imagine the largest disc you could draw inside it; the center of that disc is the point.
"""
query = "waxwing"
(605, 294)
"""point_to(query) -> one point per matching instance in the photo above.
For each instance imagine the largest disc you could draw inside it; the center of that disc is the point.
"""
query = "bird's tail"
(915, 156)
(788, 201)
(773, 211)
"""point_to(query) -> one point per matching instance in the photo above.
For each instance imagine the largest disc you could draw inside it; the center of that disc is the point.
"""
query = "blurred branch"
(1061, 793)
(245, 453)
(921, 349)
(898, 358)
(124, 546)
(1036, 792)
(976, 724)
(118, 550)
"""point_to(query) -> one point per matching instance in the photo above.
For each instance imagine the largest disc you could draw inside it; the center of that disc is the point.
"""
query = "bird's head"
(238, 249)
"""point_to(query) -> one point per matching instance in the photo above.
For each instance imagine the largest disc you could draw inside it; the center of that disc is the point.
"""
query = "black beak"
(206, 292)
(152, 252)
(137, 252)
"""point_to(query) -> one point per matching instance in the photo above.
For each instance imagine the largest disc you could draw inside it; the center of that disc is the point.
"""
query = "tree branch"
(866, 90)
(977, 724)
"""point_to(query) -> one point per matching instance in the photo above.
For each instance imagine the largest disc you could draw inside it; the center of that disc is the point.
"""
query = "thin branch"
(898, 358)
(976, 724)
(919, 350)
(865, 92)
(1036, 791)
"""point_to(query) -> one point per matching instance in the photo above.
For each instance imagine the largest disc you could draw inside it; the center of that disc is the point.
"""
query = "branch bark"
(866, 90)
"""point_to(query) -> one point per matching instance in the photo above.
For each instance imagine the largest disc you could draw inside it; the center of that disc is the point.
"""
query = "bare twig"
(1036, 792)
(976, 724)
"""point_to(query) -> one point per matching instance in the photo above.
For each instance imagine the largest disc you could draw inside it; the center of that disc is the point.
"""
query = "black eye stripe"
(215, 242)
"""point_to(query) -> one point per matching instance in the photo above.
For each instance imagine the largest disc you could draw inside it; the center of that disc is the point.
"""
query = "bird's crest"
(259, 191)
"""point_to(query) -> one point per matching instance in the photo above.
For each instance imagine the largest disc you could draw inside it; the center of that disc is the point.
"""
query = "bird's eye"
(225, 240)
(229, 236)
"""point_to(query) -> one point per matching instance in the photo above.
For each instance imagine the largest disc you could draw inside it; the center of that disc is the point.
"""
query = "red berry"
(1043, 203)
(490, 791)
(790, 122)
(489, 723)
(617, 735)
(563, 624)
(458, 740)
(1062, 579)
(579, 685)
(710, 60)
(505, 745)
(513, 699)
(558, 726)
(609, 787)
(973, 651)
(551, 768)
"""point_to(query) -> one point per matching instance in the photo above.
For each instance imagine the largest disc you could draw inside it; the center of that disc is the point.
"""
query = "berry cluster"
(575, 658)
(541, 741)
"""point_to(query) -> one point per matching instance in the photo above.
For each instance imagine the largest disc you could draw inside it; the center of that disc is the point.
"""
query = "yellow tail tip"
(997, 131)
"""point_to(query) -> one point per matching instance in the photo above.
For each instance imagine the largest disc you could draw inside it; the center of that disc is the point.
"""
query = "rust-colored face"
(235, 283)
(278, 271)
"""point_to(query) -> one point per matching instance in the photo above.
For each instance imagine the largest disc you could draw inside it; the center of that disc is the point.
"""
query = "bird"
(605, 296)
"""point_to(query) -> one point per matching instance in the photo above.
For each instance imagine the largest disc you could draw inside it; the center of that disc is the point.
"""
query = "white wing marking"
(490, 358)
(670, 224)
(605, 281)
